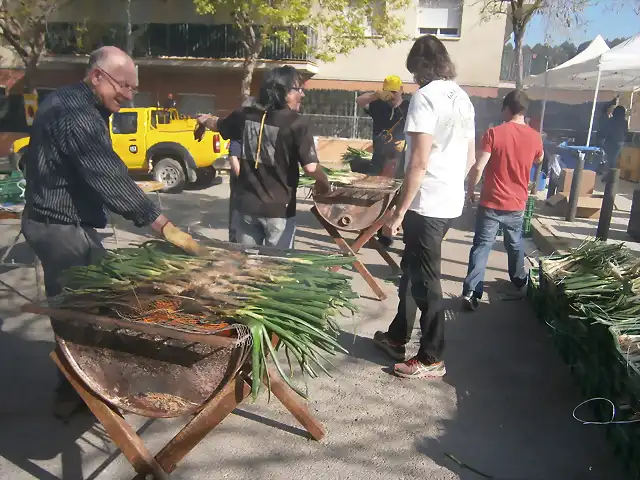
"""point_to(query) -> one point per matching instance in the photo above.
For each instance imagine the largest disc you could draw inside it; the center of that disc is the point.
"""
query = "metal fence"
(340, 126)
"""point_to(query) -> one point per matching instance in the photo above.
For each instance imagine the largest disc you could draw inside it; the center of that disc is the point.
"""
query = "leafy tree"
(566, 13)
(23, 25)
(342, 26)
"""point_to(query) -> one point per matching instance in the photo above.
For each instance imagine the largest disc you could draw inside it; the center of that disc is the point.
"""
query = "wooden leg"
(344, 246)
(375, 244)
(289, 399)
(116, 427)
(199, 427)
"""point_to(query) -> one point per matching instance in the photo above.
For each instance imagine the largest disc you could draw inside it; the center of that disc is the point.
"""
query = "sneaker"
(470, 302)
(522, 291)
(393, 349)
(414, 368)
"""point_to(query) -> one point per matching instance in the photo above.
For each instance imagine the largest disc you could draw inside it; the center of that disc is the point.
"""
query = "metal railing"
(340, 126)
(172, 40)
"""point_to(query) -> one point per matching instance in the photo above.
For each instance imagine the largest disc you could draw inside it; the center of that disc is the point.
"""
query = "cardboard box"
(589, 207)
(587, 183)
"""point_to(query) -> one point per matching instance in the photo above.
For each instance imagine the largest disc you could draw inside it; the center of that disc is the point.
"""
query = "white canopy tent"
(596, 68)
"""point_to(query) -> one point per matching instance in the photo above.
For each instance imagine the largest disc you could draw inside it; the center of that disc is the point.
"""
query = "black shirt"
(72, 171)
(386, 117)
(286, 142)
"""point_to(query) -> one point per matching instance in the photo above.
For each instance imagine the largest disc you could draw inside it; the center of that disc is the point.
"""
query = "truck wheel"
(170, 172)
(206, 176)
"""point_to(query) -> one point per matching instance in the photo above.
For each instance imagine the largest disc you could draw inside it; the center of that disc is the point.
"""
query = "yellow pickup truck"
(160, 142)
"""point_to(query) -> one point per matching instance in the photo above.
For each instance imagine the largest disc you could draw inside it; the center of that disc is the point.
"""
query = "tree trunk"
(250, 62)
(128, 34)
(517, 40)
(30, 68)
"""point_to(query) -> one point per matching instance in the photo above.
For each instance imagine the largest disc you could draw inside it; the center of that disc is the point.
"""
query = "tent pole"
(544, 99)
(630, 109)
(593, 108)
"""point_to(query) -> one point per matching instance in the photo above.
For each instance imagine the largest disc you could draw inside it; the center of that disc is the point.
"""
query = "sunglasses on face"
(120, 85)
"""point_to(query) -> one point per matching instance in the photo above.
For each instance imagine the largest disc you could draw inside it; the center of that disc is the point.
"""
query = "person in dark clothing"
(388, 111)
(276, 141)
(235, 151)
(169, 102)
(73, 175)
(613, 134)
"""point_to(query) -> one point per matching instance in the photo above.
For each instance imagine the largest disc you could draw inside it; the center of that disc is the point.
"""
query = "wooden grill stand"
(345, 203)
(212, 413)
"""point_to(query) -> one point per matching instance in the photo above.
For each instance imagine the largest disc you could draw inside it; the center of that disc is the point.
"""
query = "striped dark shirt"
(73, 175)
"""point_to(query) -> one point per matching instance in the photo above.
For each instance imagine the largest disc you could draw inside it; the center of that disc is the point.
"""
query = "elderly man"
(73, 175)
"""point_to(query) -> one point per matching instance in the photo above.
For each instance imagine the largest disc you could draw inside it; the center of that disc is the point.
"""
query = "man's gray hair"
(97, 59)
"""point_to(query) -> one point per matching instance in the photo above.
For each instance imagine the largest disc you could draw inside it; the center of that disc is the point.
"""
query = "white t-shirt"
(443, 110)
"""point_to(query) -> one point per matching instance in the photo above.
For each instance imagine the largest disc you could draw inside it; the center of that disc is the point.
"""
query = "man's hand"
(471, 196)
(384, 95)
(322, 186)
(393, 225)
(183, 240)
(203, 122)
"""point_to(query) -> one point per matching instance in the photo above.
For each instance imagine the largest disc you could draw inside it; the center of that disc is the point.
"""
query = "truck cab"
(159, 142)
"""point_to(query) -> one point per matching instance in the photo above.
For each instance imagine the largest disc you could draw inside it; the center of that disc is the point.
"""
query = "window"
(442, 18)
(124, 123)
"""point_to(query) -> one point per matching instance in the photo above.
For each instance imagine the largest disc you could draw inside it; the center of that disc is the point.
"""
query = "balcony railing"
(155, 40)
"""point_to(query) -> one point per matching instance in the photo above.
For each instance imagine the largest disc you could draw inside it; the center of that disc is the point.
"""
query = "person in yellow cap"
(388, 110)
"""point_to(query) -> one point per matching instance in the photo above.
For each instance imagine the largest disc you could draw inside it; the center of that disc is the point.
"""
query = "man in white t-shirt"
(441, 148)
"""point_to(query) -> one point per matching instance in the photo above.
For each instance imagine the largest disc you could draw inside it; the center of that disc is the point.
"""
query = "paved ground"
(504, 407)
(554, 233)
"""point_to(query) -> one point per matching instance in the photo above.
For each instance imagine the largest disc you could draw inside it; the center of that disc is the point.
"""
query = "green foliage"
(343, 25)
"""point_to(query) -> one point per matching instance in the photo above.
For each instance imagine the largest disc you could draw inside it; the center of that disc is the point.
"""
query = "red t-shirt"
(513, 148)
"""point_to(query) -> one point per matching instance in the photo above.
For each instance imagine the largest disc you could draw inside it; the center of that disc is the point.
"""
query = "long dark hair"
(429, 60)
(276, 84)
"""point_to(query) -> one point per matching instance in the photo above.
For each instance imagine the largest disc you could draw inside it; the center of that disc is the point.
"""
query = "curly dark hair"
(429, 60)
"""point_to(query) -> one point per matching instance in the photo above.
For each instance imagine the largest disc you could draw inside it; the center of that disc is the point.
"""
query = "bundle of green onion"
(293, 296)
(355, 154)
(601, 280)
(335, 176)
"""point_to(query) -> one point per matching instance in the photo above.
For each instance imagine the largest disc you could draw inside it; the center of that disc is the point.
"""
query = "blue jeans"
(488, 221)
(260, 231)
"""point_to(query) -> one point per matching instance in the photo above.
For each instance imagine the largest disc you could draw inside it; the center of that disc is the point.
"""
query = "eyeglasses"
(121, 85)
(298, 89)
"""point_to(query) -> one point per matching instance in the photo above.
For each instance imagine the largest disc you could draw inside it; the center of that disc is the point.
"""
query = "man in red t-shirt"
(508, 153)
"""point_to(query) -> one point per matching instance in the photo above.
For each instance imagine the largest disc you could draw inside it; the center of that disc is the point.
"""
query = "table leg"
(206, 420)
(116, 427)
(289, 399)
(344, 246)
(10, 247)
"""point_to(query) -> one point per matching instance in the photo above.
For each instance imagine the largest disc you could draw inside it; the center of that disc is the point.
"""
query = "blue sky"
(608, 22)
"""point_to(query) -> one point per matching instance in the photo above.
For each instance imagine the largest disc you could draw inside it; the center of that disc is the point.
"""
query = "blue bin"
(542, 184)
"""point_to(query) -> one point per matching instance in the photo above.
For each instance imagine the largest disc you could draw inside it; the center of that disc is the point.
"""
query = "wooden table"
(209, 416)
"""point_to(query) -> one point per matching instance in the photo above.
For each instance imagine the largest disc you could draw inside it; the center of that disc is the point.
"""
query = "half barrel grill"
(160, 370)
(361, 207)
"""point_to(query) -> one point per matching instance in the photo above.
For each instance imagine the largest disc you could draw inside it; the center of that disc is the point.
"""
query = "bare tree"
(561, 13)
(23, 25)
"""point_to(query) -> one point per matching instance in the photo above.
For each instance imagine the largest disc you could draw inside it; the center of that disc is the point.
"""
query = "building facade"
(181, 52)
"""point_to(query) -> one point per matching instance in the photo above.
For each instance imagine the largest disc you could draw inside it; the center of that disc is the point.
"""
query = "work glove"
(384, 95)
(399, 145)
(183, 240)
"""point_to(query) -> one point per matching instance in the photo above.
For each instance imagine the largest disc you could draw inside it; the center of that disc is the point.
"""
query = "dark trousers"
(488, 221)
(232, 184)
(420, 285)
(58, 248)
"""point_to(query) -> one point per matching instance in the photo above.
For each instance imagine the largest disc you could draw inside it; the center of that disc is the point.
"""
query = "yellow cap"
(392, 84)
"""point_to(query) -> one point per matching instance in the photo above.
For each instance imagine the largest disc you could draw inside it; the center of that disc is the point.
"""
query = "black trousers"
(420, 285)
(232, 184)
(58, 248)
